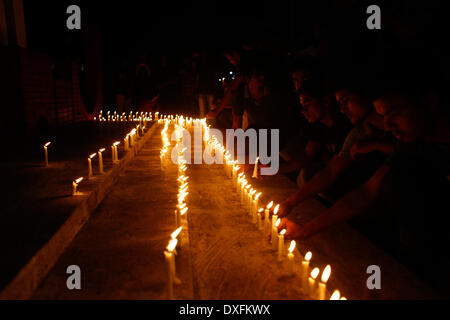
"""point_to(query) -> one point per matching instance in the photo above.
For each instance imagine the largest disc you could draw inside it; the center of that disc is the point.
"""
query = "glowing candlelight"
(75, 185)
(255, 205)
(266, 215)
(281, 244)
(100, 160)
(323, 280)
(275, 214)
(260, 225)
(336, 295)
(116, 155)
(170, 260)
(175, 234)
(90, 175)
(255, 168)
(304, 267)
(312, 281)
(250, 200)
(290, 261)
(46, 153)
(255, 215)
(274, 234)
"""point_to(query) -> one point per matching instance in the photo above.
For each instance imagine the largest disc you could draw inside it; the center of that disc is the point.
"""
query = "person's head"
(314, 102)
(354, 103)
(405, 114)
(256, 84)
(302, 71)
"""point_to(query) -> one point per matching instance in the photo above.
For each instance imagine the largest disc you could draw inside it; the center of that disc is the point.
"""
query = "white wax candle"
(255, 169)
(46, 153)
(266, 216)
(281, 244)
(322, 284)
(170, 260)
(312, 282)
(75, 185)
(113, 154)
(290, 260)
(260, 225)
(100, 161)
(274, 234)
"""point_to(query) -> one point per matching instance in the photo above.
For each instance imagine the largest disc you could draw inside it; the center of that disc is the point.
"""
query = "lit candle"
(274, 234)
(250, 200)
(336, 295)
(255, 204)
(125, 142)
(290, 261)
(305, 266)
(266, 215)
(170, 260)
(275, 214)
(113, 154)
(75, 185)
(323, 280)
(100, 160)
(255, 168)
(90, 175)
(255, 215)
(312, 282)
(281, 244)
(260, 225)
(115, 150)
(46, 153)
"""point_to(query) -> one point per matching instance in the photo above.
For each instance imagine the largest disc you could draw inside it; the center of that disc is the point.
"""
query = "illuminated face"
(352, 105)
(312, 108)
(401, 117)
(299, 77)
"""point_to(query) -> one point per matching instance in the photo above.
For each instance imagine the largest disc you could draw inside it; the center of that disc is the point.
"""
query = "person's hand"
(285, 208)
(294, 231)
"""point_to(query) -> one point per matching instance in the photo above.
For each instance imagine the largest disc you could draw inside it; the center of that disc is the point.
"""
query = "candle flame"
(343, 298)
(315, 273)
(175, 234)
(77, 181)
(261, 210)
(172, 244)
(101, 150)
(326, 274)
(275, 210)
(282, 232)
(292, 246)
(270, 205)
(183, 211)
(116, 143)
(258, 195)
(92, 155)
(47, 144)
(308, 256)
(277, 223)
(248, 186)
(336, 295)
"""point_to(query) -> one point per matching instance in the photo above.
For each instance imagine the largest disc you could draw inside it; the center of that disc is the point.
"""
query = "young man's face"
(312, 108)
(352, 105)
(299, 77)
(401, 117)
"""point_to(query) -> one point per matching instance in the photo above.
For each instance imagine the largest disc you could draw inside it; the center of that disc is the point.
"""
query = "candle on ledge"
(115, 144)
(100, 160)
(170, 260)
(255, 204)
(46, 153)
(336, 295)
(255, 215)
(290, 261)
(90, 175)
(75, 185)
(266, 215)
(273, 236)
(255, 168)
(281, 244)
(323, 282)
(275, 214)
(312, 282)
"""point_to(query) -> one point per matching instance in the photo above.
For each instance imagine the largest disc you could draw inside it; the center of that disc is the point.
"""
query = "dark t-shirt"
(332, 138)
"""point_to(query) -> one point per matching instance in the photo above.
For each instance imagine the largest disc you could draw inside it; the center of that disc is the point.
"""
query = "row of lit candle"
(249, 199)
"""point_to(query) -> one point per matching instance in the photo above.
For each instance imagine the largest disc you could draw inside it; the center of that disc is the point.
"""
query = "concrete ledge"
(29, 277)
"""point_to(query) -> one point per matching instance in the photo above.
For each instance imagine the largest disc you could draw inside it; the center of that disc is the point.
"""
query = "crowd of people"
(370, 140)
